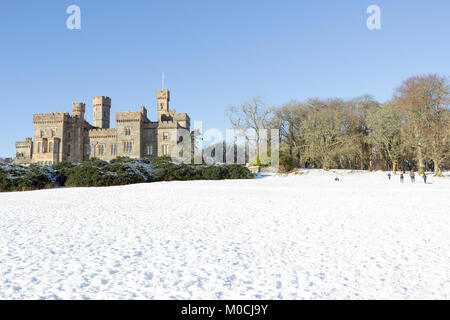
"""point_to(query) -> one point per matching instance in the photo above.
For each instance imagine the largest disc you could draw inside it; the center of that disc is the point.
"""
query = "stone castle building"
(64, 137)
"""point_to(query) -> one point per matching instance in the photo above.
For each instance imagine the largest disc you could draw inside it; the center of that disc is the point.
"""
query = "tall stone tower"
(79, 109)
(163, 98)
(102, 111)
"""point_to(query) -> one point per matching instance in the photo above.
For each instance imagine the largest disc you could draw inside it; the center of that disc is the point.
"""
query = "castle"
(63, 137)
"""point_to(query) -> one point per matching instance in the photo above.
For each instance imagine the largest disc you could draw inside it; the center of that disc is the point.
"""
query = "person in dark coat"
(402, 178)
(424, 177)
(337, 179)
(412, 175)
(389, 175)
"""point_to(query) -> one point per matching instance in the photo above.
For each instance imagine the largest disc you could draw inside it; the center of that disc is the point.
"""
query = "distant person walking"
(389, 175)
(412, 175)
(336, 179)
(402, 178)
(424, 177)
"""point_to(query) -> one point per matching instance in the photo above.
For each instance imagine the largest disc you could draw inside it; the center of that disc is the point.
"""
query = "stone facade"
(63, 137)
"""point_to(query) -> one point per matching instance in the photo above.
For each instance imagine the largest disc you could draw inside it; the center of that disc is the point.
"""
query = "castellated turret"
(163, 98)
(79, 109)
(102, 111)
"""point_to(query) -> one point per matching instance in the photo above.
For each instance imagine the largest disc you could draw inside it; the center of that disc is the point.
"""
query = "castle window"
(165, 136)
(53, 132)
(127, 131)
(40, 147)
(69, 135)
(50, 147)
(101, 149)
(149, 149)
(165, 150)
(68, 149)
(88, 150)
(114, 149)
(128, 146)
(42, 133)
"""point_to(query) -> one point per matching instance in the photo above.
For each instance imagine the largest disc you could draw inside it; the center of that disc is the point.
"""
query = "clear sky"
(214, 54)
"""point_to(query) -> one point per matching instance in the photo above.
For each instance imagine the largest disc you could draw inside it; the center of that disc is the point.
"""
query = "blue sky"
(214, 54)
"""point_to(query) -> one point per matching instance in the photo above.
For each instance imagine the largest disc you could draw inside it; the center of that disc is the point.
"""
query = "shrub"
(14, 177)
(121, 171)
(63, 170)
(286, 162)
(160, 161)
(91, 173)
(236, 171)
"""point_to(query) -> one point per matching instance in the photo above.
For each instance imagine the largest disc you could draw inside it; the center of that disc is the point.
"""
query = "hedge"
(120, 171)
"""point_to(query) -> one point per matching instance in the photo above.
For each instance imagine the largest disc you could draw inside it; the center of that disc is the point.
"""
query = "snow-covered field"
(277, 237)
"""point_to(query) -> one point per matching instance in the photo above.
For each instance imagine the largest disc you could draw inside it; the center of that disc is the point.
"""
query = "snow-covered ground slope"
(291, 237)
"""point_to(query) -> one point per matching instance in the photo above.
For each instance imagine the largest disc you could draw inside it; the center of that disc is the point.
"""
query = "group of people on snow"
(412, 176)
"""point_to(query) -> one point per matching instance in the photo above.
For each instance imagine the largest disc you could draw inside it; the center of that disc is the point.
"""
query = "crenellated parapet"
(79, 109)
(169, 124)
(24, 144)
(54, 117)
(129, 117)
(102, 101)
(102, 133)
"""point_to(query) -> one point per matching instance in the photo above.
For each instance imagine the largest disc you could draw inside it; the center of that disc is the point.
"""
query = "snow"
(299, 236)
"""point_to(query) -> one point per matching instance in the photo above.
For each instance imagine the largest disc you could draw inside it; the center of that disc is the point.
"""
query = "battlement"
(103, 133)
(102, 100)
(79, 109)
(24, 144)
(50, 117)
(129, 116)
(166, 124)
(79, 106)
(163, 94)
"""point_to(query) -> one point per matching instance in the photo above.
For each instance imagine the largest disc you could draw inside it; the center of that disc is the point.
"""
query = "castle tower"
(163, 98)
(102, 111)
(79, 109)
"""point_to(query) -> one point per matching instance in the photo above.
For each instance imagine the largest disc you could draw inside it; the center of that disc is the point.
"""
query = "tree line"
(410, 131)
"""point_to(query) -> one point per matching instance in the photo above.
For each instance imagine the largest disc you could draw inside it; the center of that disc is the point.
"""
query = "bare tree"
(423, 100)
(324, 139)
(254, 116)
(385, 125)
